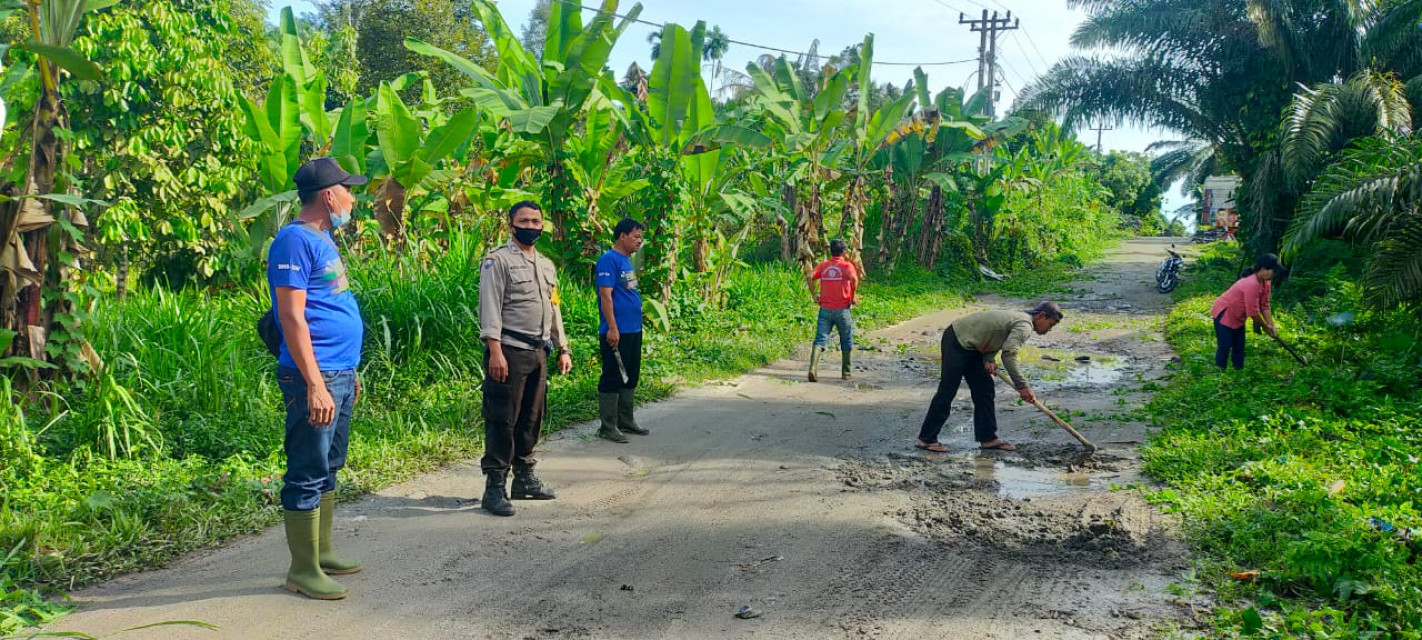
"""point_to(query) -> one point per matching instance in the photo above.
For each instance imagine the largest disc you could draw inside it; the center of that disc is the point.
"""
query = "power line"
(753, 45)
(989, 27)
(1015, 92)
(1027, 58)
(1009, 67)
(1045, 62)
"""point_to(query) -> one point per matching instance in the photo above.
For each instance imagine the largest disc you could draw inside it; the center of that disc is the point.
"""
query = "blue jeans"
(314, 454)
(839, 320)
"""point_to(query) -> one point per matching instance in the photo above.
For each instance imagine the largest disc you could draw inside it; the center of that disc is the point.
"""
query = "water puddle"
(1019, 482)
(1046, 368)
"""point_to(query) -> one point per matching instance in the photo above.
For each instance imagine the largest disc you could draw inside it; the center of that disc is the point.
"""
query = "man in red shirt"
(839, 281)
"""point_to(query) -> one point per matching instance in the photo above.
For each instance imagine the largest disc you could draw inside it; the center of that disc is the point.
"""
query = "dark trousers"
(1229, 344)
(629, 345)
(513, 409)
(960, 363)
(314, 454)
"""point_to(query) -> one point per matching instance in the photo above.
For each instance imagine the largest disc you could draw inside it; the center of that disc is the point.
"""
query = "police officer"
(521, 325)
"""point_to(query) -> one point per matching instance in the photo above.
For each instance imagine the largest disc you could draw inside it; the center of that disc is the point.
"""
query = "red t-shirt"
(838, 280)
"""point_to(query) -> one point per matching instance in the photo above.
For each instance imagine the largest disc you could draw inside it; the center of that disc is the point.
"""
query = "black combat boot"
(526, 486)
(495, 501)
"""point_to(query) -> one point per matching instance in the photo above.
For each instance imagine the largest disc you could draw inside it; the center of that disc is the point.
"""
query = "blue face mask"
(338, 220)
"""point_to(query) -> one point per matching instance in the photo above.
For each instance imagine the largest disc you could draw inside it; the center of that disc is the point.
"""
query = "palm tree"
(1192, 160)
(713, 50)
(1354, 142)
(1374, 194)
(635, 82)
(1221, 71)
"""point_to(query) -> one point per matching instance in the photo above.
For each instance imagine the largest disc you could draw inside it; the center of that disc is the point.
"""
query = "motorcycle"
(1213, 234)
(1167, 277)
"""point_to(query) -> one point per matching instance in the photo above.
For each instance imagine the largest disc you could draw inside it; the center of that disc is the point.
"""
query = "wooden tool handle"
(1290, 349)
(1048, 412)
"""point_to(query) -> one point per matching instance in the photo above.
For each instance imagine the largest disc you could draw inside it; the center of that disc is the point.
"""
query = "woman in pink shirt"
(1248, 298)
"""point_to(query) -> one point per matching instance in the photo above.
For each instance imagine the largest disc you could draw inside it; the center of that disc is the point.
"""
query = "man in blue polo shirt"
(620, 333)
(316, 370)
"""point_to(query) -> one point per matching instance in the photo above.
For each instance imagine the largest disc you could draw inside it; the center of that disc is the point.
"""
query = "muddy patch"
(997, 507)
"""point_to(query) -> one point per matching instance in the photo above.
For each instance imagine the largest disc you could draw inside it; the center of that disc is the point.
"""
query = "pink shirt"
(1247, 298)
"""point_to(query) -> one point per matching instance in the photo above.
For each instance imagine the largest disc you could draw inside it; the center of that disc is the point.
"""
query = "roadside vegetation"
(1298, 484)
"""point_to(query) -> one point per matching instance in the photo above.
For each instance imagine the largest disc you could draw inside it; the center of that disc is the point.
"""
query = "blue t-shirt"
(616, 271)
(304, 259)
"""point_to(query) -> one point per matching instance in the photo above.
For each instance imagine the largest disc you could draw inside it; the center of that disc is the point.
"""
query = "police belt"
(528, 340)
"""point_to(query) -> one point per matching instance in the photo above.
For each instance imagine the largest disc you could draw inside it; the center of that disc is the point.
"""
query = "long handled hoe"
(1291, 351)
(1061, 423)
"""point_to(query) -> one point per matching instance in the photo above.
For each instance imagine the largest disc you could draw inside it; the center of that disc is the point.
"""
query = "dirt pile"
(955, 503)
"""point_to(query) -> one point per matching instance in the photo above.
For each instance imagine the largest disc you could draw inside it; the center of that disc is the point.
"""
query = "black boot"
(495, 501)
(526, 486)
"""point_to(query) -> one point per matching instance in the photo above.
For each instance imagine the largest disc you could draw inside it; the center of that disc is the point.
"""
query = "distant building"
(1217, 203)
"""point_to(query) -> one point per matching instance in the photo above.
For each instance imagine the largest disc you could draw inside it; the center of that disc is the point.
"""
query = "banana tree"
(600, 167)
(679, 140)
(870, 133)
(293, 116)
(28, 269)
(408, 154)
(545, 100)
(711, 166)
(805, 128)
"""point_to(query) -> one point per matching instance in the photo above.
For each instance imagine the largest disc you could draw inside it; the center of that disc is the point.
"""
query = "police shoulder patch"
(488, 263)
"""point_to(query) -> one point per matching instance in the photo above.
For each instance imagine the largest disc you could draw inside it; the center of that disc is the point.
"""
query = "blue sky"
(918, 31)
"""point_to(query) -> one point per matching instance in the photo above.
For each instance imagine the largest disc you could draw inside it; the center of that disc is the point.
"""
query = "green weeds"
(1306, 475)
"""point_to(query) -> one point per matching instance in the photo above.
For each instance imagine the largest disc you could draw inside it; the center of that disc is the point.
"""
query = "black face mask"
(527, 237)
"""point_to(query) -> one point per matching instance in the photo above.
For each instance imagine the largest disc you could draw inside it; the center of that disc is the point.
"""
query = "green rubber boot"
(844, 365)
(815, 363)
(332, 564)
(305, 576)
(607, 410)
(626, 413)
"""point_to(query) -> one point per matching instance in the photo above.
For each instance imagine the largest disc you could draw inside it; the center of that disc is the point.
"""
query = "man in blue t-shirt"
(619, 332)
(316, 370)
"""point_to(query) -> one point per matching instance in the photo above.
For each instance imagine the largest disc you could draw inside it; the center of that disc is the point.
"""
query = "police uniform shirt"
(519, 293)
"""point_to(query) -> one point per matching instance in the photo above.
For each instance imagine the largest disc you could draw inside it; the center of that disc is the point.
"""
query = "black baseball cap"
(324, 173)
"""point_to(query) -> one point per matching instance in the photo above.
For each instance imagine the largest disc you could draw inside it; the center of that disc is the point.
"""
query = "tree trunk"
(852, 226)
(905, 210)
(25, 225)
(981, 233)
(787, 239)
(933, 218)
(886, 221)
(808, 223)
(390, 213)
(121, 278)
(700, 247)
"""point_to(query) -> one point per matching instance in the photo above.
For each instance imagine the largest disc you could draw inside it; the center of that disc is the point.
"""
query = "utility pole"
(987, 50)
(1099, 129)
